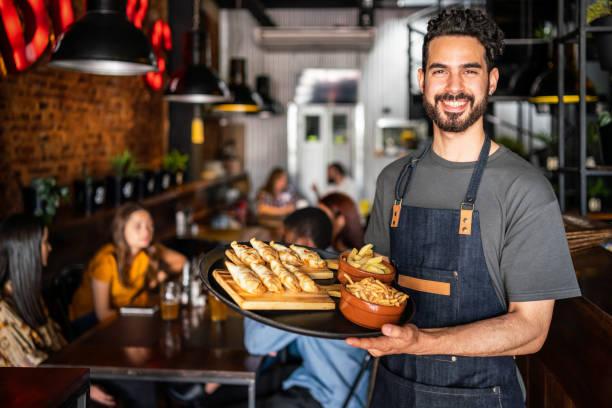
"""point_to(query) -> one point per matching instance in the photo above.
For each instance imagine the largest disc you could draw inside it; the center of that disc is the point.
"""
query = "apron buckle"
(397, 208)
(465, 218)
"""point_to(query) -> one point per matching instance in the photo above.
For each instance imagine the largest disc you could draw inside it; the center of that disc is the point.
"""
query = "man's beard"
(452, 122)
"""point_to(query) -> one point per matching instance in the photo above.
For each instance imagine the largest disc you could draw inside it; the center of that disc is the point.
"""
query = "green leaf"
(605, 119)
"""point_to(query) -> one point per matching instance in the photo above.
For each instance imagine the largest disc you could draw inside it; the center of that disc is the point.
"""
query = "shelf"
(70, 217)
(591, 171)
(526, 41)
(571, 36)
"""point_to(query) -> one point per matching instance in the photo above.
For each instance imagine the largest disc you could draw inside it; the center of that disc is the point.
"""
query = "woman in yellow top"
(121, 273)
(27, 334)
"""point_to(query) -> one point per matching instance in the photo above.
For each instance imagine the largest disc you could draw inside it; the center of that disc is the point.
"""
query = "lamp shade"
(104, 42)
(270, 106)
(243, 99)
(195, 82)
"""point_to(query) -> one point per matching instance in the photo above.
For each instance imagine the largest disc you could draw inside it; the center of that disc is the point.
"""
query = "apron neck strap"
(400, 191)
(470, 196)
(401, 186)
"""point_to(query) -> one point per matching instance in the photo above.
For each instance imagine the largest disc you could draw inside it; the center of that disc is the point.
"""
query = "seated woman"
(121, 273)
(275, 198)
(27, 334)
(347, 231)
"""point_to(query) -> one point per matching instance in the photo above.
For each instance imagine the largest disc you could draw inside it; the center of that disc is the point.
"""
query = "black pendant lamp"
(243, 99)
(104, 42)
(270, 106)
(195, 82)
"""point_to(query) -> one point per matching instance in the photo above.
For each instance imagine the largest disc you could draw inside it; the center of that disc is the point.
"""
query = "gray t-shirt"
(523, 237)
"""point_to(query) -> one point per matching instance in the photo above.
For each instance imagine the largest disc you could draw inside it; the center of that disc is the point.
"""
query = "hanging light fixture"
(104, 42)
(243, 98)
(270, 106)
(195, 82)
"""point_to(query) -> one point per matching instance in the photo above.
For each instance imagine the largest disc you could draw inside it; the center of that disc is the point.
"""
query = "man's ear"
(421, 78)
(493, 78)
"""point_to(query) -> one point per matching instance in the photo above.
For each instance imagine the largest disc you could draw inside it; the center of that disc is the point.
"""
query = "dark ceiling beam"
(295, 3)
(256, 7)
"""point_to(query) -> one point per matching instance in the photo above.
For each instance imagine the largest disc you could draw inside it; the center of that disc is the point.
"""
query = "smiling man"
(476, 235)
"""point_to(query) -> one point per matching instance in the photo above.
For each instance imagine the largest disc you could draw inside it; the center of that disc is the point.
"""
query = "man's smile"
(454, 103)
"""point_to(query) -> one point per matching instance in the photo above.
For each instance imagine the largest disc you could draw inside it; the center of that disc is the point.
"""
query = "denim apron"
(441, 265)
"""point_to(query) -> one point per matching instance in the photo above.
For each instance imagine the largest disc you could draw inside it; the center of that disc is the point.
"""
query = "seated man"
(329, 367)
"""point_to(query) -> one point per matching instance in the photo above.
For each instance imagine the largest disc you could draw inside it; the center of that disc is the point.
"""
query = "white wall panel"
(383, 83)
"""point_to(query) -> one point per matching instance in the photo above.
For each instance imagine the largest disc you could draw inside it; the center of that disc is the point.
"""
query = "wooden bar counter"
(573, 368)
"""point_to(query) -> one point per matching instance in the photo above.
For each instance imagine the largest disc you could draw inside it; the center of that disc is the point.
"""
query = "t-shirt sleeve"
(377, 232)
(535, 262)
(103, 267)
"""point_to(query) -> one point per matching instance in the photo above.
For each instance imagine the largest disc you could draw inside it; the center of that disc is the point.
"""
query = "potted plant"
(146, 185)
(598, 192)
(175, 164)
(600, 14)
(43, 197)
(122, 186)
(89, 193)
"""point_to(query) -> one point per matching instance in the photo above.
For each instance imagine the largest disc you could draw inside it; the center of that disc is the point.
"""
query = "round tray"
(329, 324)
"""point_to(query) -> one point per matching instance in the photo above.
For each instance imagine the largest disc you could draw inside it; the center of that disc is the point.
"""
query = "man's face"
(456, 83)
(331, 175)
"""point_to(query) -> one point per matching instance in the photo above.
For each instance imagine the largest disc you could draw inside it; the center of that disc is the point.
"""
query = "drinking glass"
(218, 310)
(169, 297)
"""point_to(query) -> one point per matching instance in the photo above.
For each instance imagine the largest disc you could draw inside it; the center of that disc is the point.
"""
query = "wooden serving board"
(322, 273)
(273, 301)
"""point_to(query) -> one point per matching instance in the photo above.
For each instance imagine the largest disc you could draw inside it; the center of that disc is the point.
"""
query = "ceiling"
(267, 4)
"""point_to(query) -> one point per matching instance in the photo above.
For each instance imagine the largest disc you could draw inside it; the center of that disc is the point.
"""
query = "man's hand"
(97, 394)
(395, 340)
(522, 330)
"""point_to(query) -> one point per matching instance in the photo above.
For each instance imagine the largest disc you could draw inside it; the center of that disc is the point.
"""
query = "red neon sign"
(62, 15)
(161, 38)
(136, 16)
(18, 53)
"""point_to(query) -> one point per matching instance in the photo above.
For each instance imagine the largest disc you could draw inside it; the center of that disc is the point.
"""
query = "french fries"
(364, 259)
(374, 291)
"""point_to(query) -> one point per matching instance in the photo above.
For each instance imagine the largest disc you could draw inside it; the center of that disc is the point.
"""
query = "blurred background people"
(276, 197)
(122, 272)
(27, 334)
(338, 181)
(347, 231)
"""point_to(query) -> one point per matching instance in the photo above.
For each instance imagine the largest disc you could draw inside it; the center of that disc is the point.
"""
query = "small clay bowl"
(366, 314)
(357, 274)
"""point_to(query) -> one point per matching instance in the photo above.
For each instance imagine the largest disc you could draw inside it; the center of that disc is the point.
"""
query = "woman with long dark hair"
(27, 334)
(276, 197)
(347, 231)
(121, 272)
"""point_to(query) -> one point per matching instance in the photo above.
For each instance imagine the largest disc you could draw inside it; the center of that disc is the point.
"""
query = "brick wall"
(59, 123)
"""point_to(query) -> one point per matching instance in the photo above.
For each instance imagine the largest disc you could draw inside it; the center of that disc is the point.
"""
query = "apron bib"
(441, 265)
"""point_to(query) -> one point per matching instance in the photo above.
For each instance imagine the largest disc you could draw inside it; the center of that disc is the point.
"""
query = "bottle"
(185, 283)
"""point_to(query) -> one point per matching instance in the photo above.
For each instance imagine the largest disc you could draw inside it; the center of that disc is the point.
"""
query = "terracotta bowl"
(357, 274)
(368, 314)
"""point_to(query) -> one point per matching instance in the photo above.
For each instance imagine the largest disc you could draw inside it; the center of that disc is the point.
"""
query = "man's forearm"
(510, 334)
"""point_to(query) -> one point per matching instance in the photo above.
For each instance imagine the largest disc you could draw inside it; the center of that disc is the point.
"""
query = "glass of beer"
(169, 297)
(218, 310)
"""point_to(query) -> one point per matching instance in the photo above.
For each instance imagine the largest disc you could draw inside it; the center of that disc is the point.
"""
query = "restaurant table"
(188, 349)
(43, 387)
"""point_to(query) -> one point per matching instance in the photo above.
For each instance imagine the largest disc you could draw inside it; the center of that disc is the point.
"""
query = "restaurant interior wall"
(383, 78)
(59, 124)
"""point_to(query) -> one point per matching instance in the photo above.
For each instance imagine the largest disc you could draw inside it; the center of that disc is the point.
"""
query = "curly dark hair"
(468, 22)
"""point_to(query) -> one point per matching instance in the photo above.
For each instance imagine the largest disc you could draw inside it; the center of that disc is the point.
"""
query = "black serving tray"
(329, 324)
